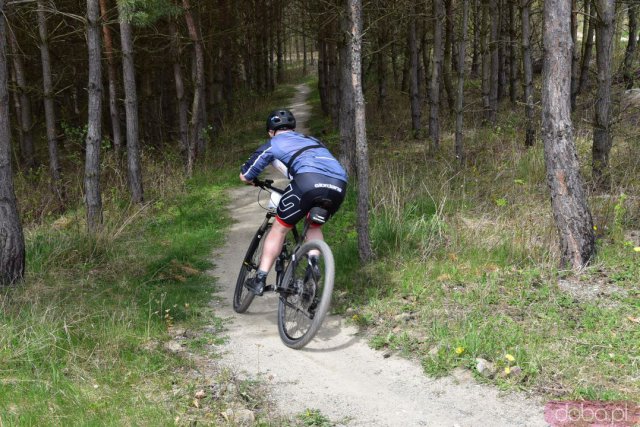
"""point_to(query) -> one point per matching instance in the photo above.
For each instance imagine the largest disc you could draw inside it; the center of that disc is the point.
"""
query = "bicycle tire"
(304, 304)
(242, 297)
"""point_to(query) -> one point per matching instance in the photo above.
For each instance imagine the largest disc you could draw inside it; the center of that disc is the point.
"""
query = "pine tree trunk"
(513, 53)
(414, 91)
(112, 78)
(134, 168)
(196, 125)
(93, 198)
(183, 107)
(12, 253)
(630, 51)
(527, 83)
(602, 121)
(447, 59)
(26, 124)
(346, 123)
(568, 198)
(382, 71)
(49, 108)
(362, 155)
(477, 34)
(486, 60)
(588, 48)
(575, 58)
(436, 70)
(495, 64)
(459, 144)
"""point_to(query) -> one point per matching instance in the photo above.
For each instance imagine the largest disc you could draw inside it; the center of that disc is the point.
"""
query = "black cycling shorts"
(306, 191)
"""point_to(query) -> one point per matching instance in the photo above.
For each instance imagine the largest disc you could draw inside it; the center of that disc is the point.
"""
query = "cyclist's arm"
(257, 162)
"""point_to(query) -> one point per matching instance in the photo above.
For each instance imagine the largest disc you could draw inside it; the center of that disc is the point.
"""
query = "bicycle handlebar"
(266, 185)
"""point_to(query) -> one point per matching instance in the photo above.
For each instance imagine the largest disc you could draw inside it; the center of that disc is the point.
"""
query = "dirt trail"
(337, 372)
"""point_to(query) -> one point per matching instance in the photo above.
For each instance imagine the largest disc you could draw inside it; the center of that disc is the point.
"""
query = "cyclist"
(316, 178)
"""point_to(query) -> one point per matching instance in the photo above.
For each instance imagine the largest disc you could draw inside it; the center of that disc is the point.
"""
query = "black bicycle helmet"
(281, 119)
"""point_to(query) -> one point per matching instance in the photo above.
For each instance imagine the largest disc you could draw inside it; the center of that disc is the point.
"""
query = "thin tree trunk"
(131, 106)
(93, 198)
(346, 117)
(486, 60)
(527, 83)
(602, 121)
(12, 253)
(196, 125)
(382, 71)
(568, 198)
(575, 58)
(49, 108)
(112, 78)
(630, 51)
(304, 54)
(448, 47)
(414, 91)
(459, 144)
(588, 48)
(436, 69)
(362, 156)
(26, 124)
(183, 108)
(513, 53)
(477, 34)
(495, 65)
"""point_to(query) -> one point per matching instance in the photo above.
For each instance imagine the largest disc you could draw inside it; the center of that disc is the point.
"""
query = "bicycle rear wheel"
(243, 297)
(304, 302)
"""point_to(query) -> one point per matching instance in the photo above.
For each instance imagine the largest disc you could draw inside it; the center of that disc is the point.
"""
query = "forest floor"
(338, 374)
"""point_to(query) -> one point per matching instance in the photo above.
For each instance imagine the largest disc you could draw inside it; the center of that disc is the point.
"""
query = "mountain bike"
(304, 275)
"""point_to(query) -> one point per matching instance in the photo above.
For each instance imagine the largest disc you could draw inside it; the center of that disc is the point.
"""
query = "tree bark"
(112, 73)
(485, 35)
(12, 253)
(630, 51)
(459, 144)
(602, 121)
(49, 108)
(575, 58)
(495, 64)
(436, 70)
(414, 91)
(477, 33)
(568, 198)
(93, 198)
(448, 48)
(134, 168)
(588, 47)
(183, 108)
(362, 156)
(26, 124)
(513, 55)
(346, 117)
(382, 71)
(527, 83)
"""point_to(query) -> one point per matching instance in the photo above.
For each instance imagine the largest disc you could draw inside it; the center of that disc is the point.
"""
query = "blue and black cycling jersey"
(309, 156)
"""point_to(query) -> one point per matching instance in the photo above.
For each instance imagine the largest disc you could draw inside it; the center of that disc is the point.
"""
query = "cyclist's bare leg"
(273, 245)
(314, 233)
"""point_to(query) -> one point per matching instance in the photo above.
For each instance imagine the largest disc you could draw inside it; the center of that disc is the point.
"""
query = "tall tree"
(112, 78)
(197, 126)
(436, 71)
(568, 198)
(354, 40)
(26, 123)
(134, 167)
(588, 31)
(12, 253)
(49, 108)
(93, 197)
(632, 44)
(414, 81)
(602, 141)
(459, 143)
(183, 108)
(527, 82)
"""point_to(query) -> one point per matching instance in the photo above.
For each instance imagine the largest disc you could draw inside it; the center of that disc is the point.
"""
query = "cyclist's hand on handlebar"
(245, 180)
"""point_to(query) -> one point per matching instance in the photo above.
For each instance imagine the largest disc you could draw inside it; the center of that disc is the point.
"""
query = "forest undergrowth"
(467, 259)
(89, 338)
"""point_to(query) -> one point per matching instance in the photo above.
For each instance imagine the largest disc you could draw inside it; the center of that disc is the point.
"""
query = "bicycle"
(304, 285)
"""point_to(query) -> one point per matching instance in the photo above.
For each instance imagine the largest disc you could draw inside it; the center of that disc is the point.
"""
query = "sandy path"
(337, 372)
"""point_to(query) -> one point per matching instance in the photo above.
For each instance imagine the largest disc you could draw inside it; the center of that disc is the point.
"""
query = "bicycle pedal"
(268, 288)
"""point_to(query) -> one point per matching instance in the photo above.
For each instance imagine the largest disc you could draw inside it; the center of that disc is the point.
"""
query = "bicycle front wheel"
(306, 296)
(243, 297)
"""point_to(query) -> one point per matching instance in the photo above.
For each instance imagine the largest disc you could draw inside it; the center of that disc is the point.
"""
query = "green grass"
(467, 262)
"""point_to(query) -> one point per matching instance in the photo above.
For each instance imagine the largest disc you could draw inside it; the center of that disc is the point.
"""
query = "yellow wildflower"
(459, 350)
(509, 357)
(637, 249)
